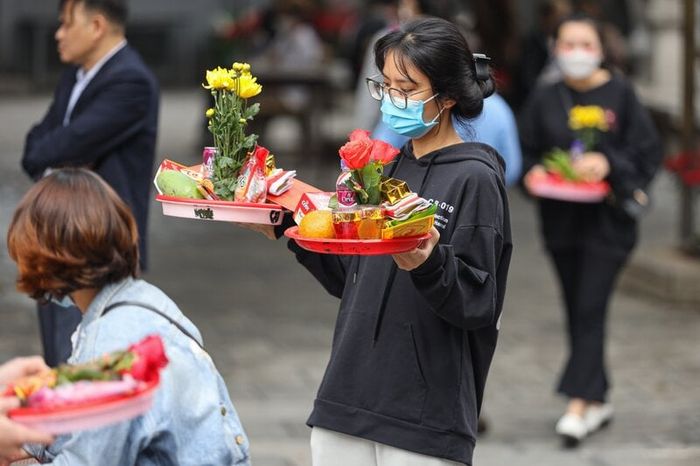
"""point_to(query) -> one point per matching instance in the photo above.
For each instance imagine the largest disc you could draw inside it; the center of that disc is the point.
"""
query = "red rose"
(356, 153)
(359, 134)
(383, 152)
(149, 358)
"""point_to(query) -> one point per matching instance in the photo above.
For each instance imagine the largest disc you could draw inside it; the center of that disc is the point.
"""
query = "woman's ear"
(447, 103)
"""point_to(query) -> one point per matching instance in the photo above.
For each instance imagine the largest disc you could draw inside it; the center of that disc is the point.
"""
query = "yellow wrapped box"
(417, 227)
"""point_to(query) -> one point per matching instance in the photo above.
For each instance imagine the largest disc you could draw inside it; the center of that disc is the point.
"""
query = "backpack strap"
(155, 310)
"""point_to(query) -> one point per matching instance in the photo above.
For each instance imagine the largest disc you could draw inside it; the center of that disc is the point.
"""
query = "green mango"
(177, 184)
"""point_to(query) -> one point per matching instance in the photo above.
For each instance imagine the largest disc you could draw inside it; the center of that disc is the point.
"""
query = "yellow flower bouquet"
(587, 122)
(228, 119)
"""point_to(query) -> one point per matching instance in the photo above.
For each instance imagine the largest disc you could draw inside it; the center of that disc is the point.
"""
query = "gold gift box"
(393, 190)
(416, 227)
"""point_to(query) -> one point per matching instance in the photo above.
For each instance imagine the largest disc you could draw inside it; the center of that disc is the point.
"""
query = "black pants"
(57, 324)
(587, 280)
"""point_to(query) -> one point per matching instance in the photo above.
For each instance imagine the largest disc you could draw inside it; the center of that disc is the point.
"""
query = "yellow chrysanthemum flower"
(248, 86)
(219, 79)
(210, 113)
(587, 116)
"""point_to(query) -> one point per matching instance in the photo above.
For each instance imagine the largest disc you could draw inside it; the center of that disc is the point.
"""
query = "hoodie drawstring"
(394, 268)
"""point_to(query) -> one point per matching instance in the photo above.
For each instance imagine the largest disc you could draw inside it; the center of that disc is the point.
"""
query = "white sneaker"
(598, 416)
(572, 429)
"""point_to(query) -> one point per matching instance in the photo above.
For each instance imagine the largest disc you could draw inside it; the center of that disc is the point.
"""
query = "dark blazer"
(112, 130)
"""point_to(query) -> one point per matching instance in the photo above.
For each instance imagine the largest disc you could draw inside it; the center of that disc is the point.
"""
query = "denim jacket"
(192, 421)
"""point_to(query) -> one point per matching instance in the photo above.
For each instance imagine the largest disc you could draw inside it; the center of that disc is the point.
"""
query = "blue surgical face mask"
(64, 302)
(407, 121)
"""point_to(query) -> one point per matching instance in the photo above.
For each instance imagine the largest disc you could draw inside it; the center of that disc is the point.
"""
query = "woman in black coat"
(595, 112)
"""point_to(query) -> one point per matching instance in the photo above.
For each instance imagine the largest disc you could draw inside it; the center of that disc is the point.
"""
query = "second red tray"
(88, 415)
(551, 187)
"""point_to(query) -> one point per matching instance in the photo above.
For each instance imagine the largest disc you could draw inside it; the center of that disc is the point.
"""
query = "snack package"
(409, 216)
(419, 225)
(311, 201)
(252, 184)
(177, 180)
(280, 181)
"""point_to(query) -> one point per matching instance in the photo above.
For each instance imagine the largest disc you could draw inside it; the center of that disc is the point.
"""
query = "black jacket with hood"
(411, 350)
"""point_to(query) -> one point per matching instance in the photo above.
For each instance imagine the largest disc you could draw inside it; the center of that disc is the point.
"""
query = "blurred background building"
(177, 36)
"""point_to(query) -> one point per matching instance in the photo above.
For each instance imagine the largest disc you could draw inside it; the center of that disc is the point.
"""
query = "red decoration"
(149, 358)
(361, 149)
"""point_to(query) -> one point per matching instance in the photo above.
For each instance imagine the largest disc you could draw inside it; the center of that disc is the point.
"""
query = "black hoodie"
(411, 350)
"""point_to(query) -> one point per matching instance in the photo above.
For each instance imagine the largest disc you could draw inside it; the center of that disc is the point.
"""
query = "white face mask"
(578, 63)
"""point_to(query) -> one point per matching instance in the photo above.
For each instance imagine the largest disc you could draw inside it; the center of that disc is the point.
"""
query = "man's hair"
(71, 231)
(116, 11)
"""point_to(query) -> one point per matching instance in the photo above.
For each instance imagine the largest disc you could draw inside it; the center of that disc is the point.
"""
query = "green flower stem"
(229, 137)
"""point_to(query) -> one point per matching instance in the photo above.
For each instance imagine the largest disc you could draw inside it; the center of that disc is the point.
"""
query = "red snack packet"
(252, 183)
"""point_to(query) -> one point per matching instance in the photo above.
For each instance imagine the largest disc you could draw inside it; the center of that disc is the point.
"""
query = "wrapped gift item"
(252, 184)
(280, 181)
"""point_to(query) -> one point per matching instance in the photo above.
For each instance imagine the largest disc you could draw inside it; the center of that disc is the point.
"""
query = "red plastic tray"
(89, 415)
(357, 247)
(225, 211)
(552, 187)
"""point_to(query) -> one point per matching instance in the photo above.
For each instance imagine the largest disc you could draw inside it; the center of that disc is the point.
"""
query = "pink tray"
(553, 188)
(223, 211)
(90, 415)
(357, 247)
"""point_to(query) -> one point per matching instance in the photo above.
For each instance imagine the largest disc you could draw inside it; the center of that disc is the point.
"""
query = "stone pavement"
(268, 325)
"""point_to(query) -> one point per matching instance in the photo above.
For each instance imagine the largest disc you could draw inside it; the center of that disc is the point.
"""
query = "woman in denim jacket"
(75, 241)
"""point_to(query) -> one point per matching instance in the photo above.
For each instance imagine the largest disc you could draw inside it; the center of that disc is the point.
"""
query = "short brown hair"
(71, 231)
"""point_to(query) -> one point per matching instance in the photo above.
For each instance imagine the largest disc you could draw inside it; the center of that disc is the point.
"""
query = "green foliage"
(371, 177)
(558, 161)
(365, 182)
(227, 125)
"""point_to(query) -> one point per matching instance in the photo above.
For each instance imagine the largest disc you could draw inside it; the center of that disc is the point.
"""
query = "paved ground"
(268, 325)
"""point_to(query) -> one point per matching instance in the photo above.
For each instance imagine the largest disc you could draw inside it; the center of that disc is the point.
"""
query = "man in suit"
(104, 115)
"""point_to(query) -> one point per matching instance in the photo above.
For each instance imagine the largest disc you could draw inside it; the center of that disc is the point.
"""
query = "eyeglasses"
(398, 97)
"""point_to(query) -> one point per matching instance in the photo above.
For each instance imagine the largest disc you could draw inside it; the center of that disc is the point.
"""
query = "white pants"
(330, 448)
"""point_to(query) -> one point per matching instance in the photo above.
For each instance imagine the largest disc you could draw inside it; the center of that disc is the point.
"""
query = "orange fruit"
(370, 228)
(317, 224)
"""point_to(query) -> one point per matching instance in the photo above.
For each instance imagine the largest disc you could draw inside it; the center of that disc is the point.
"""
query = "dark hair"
(423, 5)
(438, 49)
(579, 17)
(547, 8)
(116, 11)
(71, 231)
